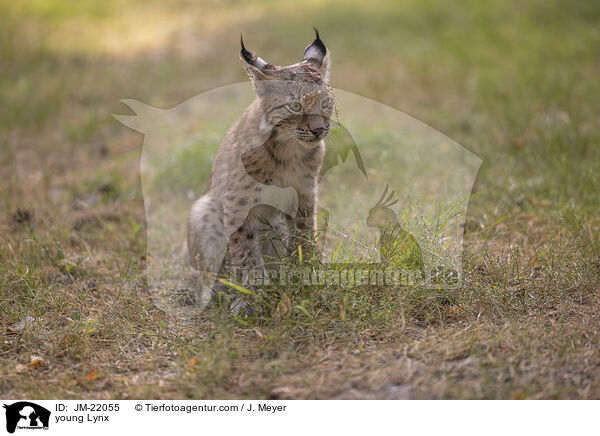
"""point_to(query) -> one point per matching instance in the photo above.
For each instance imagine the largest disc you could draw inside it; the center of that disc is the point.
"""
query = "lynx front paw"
(241, 308)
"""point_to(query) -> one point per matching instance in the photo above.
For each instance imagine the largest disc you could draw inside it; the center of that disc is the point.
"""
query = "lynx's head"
(296, 100)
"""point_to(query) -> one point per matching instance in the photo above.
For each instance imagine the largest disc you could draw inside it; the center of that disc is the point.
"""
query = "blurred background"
(513, 81)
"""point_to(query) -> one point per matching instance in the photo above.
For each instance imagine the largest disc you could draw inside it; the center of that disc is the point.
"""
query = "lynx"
(262, 197)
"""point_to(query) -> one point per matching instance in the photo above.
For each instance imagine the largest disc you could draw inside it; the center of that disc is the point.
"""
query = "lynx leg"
(244, 251)
(207, 241)
(246, 260)
(304, 226)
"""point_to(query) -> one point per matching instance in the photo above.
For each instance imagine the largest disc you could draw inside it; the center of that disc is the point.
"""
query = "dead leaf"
(284, 307)
(287, 303)
(20, 368)
(520, 394)
(519, 142)
(36, 361)
(281, 391)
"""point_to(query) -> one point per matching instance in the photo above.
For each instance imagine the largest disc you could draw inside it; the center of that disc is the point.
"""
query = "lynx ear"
(256, 67)
(318, 54)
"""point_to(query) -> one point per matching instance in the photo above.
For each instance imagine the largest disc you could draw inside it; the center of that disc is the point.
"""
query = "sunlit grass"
(515, 82)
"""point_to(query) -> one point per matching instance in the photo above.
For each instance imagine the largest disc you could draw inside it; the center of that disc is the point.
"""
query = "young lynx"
(262, 198)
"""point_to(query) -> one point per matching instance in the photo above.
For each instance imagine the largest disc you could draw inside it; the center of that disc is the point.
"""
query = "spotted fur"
(268, 162)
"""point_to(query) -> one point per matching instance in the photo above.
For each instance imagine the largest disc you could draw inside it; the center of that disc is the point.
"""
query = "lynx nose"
(317, 124)
(317, 131)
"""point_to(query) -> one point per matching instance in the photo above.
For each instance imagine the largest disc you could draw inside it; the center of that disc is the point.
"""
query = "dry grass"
(513, 82)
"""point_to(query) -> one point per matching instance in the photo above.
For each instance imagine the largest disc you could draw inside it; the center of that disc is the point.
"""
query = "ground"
(513, 81)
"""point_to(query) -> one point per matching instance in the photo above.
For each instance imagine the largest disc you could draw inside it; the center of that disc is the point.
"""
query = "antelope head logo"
(381, 215)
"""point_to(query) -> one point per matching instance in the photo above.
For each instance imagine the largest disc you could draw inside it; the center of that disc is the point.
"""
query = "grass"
(514, 82)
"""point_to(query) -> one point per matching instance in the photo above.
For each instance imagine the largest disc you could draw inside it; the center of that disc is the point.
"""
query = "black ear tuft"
(246, 55)
(316, 51)
(250, 59)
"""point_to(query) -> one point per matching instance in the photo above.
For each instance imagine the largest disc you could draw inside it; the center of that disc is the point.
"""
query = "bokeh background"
(515, 82)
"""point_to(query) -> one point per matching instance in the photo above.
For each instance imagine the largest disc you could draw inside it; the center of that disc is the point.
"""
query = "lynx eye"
(326, 103)
(296, 106)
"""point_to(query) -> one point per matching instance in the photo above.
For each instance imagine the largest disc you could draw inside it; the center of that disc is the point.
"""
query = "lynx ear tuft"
(254, 65)
(245, 54)
(318, 54)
